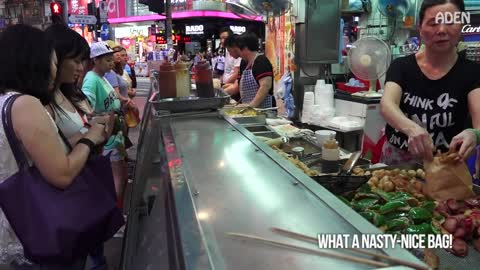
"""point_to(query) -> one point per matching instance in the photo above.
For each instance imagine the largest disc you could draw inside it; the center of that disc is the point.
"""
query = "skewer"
(311, 251)
(313, 240)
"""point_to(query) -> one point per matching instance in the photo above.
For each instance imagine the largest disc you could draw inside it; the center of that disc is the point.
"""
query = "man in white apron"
(256, 73)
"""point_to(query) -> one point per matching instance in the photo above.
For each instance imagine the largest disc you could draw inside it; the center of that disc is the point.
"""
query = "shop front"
(202, 34)
(147, 41)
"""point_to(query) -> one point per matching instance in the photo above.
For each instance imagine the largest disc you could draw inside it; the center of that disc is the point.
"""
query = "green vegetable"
(384, 195)
(397, 224)
(364, 188)
(424, 228)
(400, 196)
(435, 230)
(344, 200)
(368, 215)
(420, 215)
(428, 205)
(378, 220)
(364, 204)
(363, 195)
(392, 206)
(394, 215)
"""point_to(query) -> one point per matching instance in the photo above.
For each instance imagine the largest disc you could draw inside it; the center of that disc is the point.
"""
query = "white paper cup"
(323, 135)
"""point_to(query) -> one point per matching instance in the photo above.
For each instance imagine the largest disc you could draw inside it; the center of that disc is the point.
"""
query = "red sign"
(160, 39)
(115, 8)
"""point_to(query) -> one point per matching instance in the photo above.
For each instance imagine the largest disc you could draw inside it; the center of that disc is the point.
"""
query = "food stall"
(203, 174)
(215, 185)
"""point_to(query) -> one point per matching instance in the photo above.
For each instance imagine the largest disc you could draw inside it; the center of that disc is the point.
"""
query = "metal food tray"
(317, 163)
(309, 147)
(192, 103)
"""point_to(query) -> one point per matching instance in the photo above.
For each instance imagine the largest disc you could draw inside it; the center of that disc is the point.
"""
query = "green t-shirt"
(102, 98)
(100, 93)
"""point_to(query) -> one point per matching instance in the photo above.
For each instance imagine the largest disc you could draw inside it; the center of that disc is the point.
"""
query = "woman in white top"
(72, 51)
(29, 66)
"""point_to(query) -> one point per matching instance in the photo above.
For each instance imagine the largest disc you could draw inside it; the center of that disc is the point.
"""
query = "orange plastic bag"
(447, 177)
(132, 117)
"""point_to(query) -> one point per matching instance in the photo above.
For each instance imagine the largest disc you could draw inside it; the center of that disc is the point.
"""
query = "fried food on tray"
(296, 162)
(241, 112)
(395, 180)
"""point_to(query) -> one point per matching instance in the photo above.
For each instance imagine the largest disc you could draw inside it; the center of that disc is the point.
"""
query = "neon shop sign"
(238, 29)
(194, 29)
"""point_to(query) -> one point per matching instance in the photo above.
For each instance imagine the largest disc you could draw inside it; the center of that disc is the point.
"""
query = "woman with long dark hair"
(68, 100)
(29, 67)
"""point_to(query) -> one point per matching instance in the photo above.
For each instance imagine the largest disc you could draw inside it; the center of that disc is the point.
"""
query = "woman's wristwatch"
(87, 142)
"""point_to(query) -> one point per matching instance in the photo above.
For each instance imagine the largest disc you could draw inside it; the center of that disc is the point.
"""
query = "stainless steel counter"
(217, 178)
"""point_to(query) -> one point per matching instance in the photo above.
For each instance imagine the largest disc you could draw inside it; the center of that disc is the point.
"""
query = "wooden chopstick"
(314, 240)
(311, 251)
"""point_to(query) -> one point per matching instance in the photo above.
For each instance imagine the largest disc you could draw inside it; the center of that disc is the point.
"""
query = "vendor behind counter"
(254, 86)
(428, 95)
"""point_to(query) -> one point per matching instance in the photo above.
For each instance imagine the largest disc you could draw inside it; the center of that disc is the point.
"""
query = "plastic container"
(330, 150)
(182, 79)
(204, 80)
(323, 135)
(167, 80)
(350, 89)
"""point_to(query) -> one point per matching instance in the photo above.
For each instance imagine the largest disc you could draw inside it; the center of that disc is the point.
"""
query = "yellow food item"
(241, 112)
(358, 171)
(296, 162)
(388, 186)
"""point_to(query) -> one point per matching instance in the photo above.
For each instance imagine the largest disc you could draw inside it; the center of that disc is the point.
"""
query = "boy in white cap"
(104, 99)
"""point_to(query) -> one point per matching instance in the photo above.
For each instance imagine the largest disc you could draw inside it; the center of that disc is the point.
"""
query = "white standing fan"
(368, 59)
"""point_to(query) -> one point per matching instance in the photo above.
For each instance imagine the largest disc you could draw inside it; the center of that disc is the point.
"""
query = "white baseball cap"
(98, 49)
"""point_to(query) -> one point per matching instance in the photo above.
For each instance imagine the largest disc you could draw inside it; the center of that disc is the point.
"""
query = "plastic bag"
(447, 177)
(132, 117)
(288, 96)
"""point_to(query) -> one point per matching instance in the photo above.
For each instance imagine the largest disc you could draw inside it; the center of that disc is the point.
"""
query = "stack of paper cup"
(324, 96)
(308, 103)
(319, 86)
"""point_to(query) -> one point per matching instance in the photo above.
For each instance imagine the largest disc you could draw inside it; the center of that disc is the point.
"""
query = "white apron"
(249, 88)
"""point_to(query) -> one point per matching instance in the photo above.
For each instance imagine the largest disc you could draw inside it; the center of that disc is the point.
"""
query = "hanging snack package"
(447, 177)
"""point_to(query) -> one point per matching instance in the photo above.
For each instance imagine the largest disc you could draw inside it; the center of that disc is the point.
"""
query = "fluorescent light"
(179, 15)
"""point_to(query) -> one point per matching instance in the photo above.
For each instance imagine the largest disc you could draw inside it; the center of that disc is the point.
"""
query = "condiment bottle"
(167, 83)
(183, 79)
(203, 79)
(330, 150)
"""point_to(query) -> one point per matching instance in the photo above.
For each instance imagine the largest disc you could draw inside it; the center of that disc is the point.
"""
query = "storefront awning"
(182, 15)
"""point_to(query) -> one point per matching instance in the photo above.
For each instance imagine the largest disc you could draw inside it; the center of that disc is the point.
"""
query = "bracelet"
(87, 142)
(477, 134)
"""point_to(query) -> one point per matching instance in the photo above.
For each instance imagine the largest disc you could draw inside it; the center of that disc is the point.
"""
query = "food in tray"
(394, 212)
(296, 162)
(461, 218)
(241, 112)
(394, 180)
